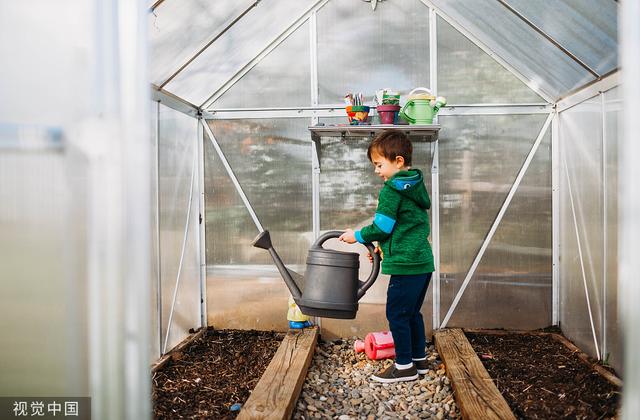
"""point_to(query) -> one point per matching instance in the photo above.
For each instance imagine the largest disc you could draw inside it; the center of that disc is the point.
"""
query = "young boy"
(401, 227)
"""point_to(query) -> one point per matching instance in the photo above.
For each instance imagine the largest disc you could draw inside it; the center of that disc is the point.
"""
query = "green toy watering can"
(421, 106)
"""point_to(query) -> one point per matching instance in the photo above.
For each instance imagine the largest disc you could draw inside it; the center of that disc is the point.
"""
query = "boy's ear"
(399, 161)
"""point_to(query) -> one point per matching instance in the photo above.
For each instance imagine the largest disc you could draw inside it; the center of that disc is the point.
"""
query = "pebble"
(338, 386)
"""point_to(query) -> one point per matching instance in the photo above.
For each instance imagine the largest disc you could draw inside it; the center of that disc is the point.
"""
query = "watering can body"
(330, 287)
(421, 108)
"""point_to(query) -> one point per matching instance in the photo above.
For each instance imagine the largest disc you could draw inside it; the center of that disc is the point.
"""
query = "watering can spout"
(293, 280)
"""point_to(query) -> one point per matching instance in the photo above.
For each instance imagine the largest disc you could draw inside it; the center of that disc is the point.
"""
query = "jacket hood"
(410, 184)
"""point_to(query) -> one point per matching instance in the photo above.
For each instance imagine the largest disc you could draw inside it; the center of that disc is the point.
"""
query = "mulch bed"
(213, 373)
(541, 379)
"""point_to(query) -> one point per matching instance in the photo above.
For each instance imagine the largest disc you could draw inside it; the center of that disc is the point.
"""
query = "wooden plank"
(613, 379)
(159, 364)
(502, 332)
(475, 392)
(276, 393)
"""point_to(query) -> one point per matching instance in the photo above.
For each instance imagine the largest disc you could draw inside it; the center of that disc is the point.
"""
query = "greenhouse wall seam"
(158, 246)
(202, 238)
(555, 220)
(435, 176)
(603, 321)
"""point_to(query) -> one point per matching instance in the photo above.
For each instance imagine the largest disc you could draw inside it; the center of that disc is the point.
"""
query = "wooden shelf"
(428, 133)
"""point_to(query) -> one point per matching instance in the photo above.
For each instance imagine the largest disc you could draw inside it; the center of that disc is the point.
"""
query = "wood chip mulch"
(542, 379)
(213, 373)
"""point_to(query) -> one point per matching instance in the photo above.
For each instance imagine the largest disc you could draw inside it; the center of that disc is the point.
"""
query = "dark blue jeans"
(405, 296)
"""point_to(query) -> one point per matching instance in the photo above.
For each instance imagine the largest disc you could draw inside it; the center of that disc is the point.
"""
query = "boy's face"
(384, 167)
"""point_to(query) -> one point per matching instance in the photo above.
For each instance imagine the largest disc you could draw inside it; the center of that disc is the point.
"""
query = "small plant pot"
(357, 115)
(388, 113)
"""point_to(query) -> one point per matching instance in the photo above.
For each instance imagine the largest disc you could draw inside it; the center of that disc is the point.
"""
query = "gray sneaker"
(393, 374)
(422, 366)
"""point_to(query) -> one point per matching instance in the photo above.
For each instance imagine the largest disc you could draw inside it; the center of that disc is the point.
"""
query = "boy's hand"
(377, 250)
(348, 236)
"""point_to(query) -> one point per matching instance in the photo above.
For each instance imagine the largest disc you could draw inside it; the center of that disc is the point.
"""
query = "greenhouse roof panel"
(587, 28)
(179, 29)
(285, 88)
(245, 40)
(537, 59)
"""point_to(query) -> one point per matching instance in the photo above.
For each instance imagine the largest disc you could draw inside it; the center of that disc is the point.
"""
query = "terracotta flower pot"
(388, 113)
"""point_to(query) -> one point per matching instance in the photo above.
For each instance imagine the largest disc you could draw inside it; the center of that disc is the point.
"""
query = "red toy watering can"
(377, 345)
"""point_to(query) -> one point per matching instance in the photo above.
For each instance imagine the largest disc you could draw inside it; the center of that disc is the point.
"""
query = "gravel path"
(337, 386)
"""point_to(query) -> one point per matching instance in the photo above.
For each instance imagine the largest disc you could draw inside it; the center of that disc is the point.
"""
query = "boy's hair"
(391, 143)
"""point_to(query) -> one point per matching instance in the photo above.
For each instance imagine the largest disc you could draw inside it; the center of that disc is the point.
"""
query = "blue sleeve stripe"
(385, 223)
(358, 236)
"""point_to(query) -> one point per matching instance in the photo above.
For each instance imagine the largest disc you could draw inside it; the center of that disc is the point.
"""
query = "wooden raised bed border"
(609, 376)
(178, 348)
(475, 392)
(276, 393)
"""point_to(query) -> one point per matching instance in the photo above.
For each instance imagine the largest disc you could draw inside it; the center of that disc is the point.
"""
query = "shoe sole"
(389, 381)
(423, 371)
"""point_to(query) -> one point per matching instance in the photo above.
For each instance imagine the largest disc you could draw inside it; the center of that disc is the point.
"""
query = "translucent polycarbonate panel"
(532, 55)
(272, 162)
(179, 29)
(73, 213)
(511, 287)
(178, 141)
(155, 348)
(59, 39)
(612, 330)
(43, 198)
(272, 83)
(479, 157)
(581, 224)
(42, 277)
(468, 75)
(361, 50)
(236, 48)
(586, 28)
(349, 191)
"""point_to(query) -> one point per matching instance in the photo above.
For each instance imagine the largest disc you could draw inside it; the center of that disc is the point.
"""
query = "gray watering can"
(330, 287)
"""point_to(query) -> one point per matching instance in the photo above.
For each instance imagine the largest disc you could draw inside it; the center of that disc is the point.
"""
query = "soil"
(542, 379)
(213, 373)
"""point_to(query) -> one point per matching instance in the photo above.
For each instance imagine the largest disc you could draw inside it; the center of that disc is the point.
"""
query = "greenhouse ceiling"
(200, 48)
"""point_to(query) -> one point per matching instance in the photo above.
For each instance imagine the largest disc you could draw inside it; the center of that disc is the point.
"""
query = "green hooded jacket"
(401, 225)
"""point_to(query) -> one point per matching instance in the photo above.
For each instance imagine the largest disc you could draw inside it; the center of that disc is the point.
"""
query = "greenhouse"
(148, 150)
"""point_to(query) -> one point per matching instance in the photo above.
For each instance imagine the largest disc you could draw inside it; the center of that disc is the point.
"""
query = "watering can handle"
(363, 286)
(403, 112)
(419, 89)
